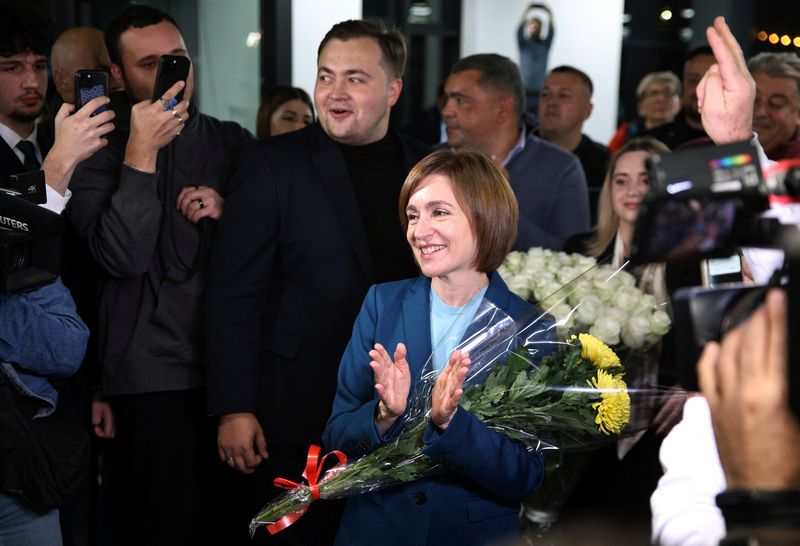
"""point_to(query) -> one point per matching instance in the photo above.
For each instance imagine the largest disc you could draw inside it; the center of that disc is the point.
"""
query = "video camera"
(705, 203)
(30, 236)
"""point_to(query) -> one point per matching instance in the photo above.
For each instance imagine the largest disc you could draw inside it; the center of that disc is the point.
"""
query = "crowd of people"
(228, 300)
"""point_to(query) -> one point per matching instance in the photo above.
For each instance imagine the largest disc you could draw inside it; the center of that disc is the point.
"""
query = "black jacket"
(150, 312)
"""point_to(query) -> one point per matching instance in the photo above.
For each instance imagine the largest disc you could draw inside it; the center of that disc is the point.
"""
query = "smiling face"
(439, 231)
(23, 82)
(628, 186)
(140, 49)
(776, 111)
(290, 116)
(354, 94)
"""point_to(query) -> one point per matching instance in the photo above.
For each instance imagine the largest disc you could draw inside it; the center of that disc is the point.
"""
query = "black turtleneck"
(377, 171)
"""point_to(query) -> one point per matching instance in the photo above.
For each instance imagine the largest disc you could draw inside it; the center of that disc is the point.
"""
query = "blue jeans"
(20, 526)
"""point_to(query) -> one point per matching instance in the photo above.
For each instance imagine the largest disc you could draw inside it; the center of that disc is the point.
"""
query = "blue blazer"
(477, 500)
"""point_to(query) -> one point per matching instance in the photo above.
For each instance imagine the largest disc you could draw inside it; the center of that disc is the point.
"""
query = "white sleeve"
(55, 201)
(683, 505)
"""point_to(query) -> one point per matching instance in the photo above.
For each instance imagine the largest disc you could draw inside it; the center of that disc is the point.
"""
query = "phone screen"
(721, 270)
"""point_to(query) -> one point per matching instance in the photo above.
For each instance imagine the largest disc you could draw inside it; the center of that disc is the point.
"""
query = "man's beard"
(26, 116)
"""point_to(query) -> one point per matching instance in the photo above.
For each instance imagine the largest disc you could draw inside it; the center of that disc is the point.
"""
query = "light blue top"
(448, 325)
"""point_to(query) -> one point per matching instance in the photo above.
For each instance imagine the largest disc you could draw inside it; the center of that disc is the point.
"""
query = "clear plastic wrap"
(536, 380)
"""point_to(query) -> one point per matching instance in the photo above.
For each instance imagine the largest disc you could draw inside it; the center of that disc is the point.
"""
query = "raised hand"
(78, 136)
(726, 93)
(392, 383)
(153, 126)
(448, 389)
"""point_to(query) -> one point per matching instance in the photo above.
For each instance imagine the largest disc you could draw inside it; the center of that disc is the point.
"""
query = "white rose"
(660, 322)
(627, 298)
(588, 310)
(634, 332)
(567, 274)
(519, 285)
(561, 312)
(606, 329)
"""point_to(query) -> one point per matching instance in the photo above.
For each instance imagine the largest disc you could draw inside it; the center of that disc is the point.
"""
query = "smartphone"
(171, 69)
(88, 85)
(716, 271)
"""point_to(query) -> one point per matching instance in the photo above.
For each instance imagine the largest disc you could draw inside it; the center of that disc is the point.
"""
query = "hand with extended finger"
(392, 383)
(197, 202)
(727, 91)
(448, 389)
(153, 126)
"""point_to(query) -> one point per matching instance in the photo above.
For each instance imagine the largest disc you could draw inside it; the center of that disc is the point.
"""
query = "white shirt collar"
(12, 139)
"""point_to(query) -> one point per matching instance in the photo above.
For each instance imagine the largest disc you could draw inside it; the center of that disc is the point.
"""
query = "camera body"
(705, 203)
(30, 241)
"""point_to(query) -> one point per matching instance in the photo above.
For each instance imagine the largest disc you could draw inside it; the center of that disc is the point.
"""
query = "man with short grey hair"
(776, 111)
(484, 111)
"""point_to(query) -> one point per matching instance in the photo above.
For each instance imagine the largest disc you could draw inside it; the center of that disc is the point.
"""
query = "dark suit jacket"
(477, 501)
(289, 269)
(10, 163)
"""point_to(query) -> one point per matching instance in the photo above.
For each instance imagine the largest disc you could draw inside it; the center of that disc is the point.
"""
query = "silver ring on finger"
(168, 104)
(230, 460)
(180, 120)
(202, 204)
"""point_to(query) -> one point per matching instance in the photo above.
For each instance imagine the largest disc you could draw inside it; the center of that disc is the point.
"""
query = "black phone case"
(88, 85)
(171, 69)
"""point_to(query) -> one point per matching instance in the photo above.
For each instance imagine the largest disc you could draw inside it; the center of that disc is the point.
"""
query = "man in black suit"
(311, 221)
(25, 40)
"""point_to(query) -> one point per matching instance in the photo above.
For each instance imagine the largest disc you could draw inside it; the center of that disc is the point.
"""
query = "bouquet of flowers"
(522, 383)
(587, 297)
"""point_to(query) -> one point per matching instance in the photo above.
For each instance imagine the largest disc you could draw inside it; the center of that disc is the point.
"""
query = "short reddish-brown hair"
(481, 191)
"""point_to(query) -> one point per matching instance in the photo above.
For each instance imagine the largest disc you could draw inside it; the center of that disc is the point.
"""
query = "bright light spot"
(687, 13)
(627, 18)
(253, 39)
(686, 34)
(785, 40)
(762, 36)
(796, 41)
(666, 15)
(773, 38)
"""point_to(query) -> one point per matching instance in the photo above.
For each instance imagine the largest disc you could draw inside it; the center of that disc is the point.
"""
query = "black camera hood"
(18, 214)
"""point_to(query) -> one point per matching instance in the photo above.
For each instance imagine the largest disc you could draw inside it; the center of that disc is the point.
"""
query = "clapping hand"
(448, 389)
(392, 383)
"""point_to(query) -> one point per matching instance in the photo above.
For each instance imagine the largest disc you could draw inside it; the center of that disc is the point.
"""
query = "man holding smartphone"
(147, 207)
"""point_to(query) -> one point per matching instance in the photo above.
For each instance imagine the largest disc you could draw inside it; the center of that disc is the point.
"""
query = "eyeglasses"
(655, 93)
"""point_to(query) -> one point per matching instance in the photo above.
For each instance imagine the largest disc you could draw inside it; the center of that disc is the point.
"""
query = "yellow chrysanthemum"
(597, 352)
(614, 408)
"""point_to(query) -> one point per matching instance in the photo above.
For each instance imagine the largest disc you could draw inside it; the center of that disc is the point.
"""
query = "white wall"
(227, 70)
(311, 19)
(588, 36)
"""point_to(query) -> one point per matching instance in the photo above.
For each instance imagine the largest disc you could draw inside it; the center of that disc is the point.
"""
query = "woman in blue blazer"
(460, 216)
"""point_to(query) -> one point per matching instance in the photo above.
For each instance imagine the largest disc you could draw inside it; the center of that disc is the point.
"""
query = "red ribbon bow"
(311, 474)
